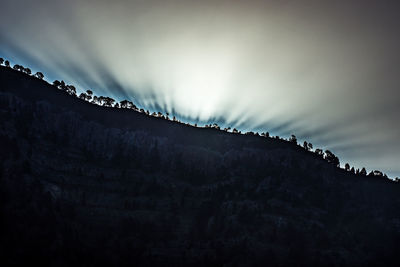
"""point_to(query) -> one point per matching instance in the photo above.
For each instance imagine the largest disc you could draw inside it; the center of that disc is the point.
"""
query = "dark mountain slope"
(88, 185)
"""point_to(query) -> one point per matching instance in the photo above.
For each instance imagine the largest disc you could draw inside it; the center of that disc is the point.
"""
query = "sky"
(326, 71)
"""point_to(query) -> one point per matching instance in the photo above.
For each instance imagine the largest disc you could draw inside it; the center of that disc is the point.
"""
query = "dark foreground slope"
(88, 185)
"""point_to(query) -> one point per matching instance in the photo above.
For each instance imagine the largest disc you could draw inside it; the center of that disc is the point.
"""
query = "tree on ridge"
(39, 75)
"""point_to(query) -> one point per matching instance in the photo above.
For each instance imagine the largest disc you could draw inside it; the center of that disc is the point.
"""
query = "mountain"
(83, 184)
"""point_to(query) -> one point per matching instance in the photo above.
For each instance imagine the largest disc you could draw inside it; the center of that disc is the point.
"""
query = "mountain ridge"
(88, 185)
(121, 117)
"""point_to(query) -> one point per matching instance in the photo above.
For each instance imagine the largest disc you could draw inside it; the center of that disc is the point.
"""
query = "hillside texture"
(87, 185)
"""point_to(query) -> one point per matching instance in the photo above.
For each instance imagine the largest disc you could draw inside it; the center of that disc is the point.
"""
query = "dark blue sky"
(325, 71)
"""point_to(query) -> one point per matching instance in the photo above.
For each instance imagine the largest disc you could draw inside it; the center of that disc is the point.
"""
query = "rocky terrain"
(87, 185)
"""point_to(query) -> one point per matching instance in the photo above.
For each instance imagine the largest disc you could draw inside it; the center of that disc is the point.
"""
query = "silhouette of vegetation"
(70, 89)
(120, 188)
(305, 145)
(363, 172)
(87, 96)
(319, 152)
(293, 139)
(331, 158)
(128, 104)
(39, 75)
(266, 134)
(105, 101)
(347, 167)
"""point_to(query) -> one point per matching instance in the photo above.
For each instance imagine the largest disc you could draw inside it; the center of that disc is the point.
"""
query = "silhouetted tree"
(1, 61)
(216, 126)
(85, 97)
(293, 139)
(60, 85)
(57, 83)
(310, 146)
(27, 71)
(107, 101)
(7, 63)
(376, 173)
(70, 89)
(331, 158)
(124, 103)
(100, 100)
(116, 105)
(89, 94)
(363, 172)
(234, 130)
(130, 105)
(347, 167)
(305, 145)
(39, 75)
(352, 170)
(95, 100)
(19, 68)
(319, 152)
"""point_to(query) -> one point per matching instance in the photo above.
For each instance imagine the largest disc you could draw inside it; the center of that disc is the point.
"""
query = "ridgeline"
(84, 184)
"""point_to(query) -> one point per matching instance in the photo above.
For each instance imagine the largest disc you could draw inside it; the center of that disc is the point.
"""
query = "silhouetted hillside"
(83, 184)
